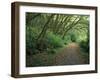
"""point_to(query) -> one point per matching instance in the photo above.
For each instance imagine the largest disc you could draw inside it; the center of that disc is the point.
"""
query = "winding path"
(70, 55)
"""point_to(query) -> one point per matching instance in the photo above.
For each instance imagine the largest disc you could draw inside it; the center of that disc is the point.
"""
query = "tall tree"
(45, 28)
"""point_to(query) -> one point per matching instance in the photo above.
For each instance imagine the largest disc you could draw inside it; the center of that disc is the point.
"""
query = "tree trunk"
(41, 35)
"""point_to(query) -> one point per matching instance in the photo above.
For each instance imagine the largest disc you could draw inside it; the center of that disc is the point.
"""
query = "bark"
(41, 35)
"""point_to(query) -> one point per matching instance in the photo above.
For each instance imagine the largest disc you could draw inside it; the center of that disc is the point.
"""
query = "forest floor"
(69, 55)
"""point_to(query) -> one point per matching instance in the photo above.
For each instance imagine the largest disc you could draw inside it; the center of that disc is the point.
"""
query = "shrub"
(30, 41)
(54, 40)
(85, 45)
(67, 39)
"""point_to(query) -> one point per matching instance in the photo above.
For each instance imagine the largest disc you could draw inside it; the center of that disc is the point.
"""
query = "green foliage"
(67, 39)
(73, 37)
(70, 37)
(47, 34)
(31, 35)
(85, 46)
(54, 40)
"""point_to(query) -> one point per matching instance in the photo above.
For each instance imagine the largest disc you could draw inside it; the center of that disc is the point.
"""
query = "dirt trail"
(70, 55)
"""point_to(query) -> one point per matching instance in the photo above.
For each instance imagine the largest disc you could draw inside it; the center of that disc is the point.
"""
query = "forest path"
(70, 55)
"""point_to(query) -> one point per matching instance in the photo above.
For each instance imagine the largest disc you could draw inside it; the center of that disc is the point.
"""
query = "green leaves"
(55, 40)
(51, 31)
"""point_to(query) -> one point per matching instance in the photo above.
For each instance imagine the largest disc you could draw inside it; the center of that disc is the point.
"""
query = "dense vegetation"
(48, 33)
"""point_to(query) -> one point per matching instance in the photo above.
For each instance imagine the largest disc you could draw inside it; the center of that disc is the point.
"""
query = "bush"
(54, 40)
(30, 41)
(85, 45)
(67, 39)
(48, 44)
(70, 37)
